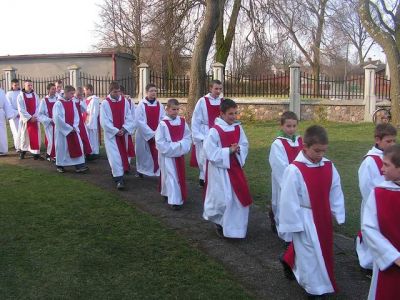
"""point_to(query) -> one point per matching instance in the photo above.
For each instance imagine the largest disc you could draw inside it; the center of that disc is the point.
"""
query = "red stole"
(318, 181)
(32, 127)
(291, 152)
(74, 147)
(378, 161)
(87, 149)
(176, 133)
(235, 172)
(50, 106)
(118, 113)
(388, 212)
(153, 118)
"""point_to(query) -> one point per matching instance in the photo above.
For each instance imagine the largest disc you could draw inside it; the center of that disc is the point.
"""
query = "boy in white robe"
(227, 195)
(369, 176)
(92, 118)
(59, 89)
(117, 123)
(81, 107)
(28, 108)
(149, 113)
(283, 151)
(380, 227)
(46, 118)
(311, 193)
(5, 113)
(12, 96)
(173, 141)
(203, 118)
(69, 147)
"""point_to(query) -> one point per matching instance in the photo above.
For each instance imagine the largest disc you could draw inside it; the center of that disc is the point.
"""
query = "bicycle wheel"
(381, 115)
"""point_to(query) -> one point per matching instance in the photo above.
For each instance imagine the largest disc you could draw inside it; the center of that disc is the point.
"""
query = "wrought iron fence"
(3, 83)
(382, 87)
(276, 85)
(325, 87)
(176, 86)
(40, 84)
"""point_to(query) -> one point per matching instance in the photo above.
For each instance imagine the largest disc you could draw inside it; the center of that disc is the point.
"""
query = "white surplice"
(92, 120)
(296, 217)
(144, 160)
(14, 122)
(110, 131)
(382, 250)
(167, 151)
(200, 129)
(47, 122)
(221, 204)
(6, 112)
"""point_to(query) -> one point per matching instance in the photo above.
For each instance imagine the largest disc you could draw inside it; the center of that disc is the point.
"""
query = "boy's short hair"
(393, 153)
(288, 115)
(172, 102)
(68, 88)
(88, 87)
(215, 81)
(315, 134)
(227, 104)
(15, 80)
(59, 81)
(27, 80)
(50, 85)
(114, 85)
(79, 89)
(385, 129)
(149, 86)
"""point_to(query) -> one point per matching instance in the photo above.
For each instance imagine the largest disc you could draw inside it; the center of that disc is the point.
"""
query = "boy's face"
(69, 95)
(390, 171)
(58, 87)
(152, 93)
(78, 94)
(230, 115)
(28, 86)
(173, 111)
(289, 127)
(315, 153)
(386, 141)
(15, 86)
(52, 91)
(87, 92)
(115, 93)
(216, 90)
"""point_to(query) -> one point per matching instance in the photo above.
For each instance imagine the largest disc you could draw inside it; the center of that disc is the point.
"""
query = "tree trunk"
(199, 59)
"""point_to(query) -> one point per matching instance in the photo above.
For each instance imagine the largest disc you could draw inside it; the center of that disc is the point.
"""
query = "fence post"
(74, 78)
(369, 92)
(294, 93)
(144, 79)
(9, 74)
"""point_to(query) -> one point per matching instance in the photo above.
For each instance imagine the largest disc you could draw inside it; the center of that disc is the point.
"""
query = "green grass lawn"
(61, 238)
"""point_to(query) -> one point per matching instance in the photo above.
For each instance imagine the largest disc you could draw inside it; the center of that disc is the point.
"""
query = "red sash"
(318, 181)
(291, 152)
(50, 106)
(118, 113)
(388, 212)
(153, 118)
(378, 161)
(74, 147)
(32, 127)
(176, 133)
(87, 149)
(236, 175)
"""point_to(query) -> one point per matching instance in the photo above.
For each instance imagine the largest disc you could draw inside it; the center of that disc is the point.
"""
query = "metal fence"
(3, 83)
(40, 84)
(382, 87)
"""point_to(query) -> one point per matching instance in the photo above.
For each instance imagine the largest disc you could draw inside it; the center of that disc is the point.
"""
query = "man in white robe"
(92, 118)
(69, 147)
(12, 96)
(149, 113)
(117, 133)
(204, 114)
(171, 150)
(5, 113)
(28, 108)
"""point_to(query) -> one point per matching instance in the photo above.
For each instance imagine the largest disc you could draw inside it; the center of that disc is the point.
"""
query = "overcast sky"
(47, 26)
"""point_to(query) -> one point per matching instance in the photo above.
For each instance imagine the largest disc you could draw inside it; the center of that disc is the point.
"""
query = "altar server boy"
(227, 197)
(92, 118)
(12, 96)
(173, 141)
(311, 193)
(81, 107)
(5, 113)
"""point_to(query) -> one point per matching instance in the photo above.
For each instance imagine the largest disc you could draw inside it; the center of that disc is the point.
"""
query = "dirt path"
(252, 261)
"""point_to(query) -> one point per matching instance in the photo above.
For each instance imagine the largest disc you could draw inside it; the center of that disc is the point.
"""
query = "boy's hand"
(33, 119)
(397, 262)
(234, 148)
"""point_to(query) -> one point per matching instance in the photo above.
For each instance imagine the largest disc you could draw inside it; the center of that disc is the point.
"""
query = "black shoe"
(315, 297)
(272, 220)
(81, 169)
(219, 230)
(60, 170)
(140, 175)
(120, 185)
(286, 245)
(287, 270)
(176, 207)
(165, 198)
(201, 182)
(22, 154)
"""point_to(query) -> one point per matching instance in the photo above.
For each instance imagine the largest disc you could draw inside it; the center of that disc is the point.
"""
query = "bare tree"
(382, 21)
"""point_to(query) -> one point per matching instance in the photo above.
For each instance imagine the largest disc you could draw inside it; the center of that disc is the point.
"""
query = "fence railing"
(40, 84)
(382, 88)
(3, 83)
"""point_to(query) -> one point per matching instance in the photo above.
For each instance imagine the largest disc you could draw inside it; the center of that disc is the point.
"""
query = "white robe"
(383, 252)
(296, 217)
(24, 117)
(200, 130)
(369, 177)
(47, 122)
(6, 112)
(93, 111)
(62, 129)
(106, 121)
(221, 204)
(14, 122)
(144, 160)
(167, 151)
(278, 161)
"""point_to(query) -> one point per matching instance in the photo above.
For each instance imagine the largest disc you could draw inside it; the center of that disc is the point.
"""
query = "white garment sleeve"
(106, 120)
(93, 110)
(217, 155)
(169, 148)
(59, 119)
(141, 122)
(383, 251)
(9, 98)
(23, 113)
(43, 114)
(198, 121)
(244, 147)
(367, 172)
(336, 197)
(129, 123)
(10, 113)
(278, 160)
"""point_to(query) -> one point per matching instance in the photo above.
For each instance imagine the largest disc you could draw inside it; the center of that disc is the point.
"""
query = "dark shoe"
(286, 245)
(60, 170)
(120, 185)
(22, 154)
(140, 175)
(176, 207)
(81, 169)
(272, 220)
(219, 230)
(36, 156)
(201, 182)
(287, 270)
(315, 297)
(165, 198)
